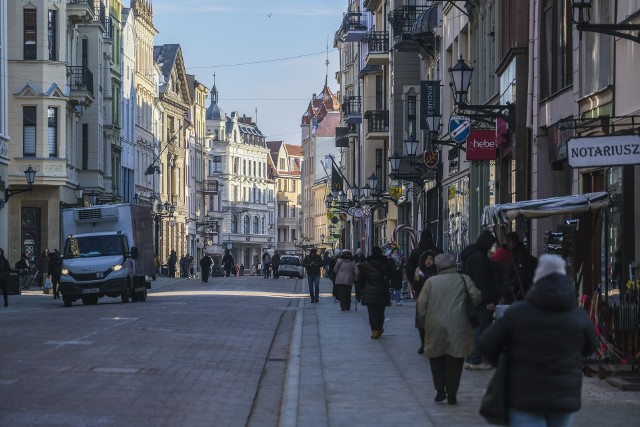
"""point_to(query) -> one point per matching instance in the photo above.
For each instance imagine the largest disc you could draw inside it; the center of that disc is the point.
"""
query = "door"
(30, 233)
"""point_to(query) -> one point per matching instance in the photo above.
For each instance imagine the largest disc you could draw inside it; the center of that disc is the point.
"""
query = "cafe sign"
(610, 150)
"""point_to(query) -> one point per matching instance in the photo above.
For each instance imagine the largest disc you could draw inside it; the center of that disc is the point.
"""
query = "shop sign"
(431, 158)
(342, 137)
(429, 101)
(604, 151)
(481, 145)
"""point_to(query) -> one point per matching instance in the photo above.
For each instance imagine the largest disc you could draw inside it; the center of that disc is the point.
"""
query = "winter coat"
(546, 337)
(275, 261)
(476, 264)
(205, 262)
(526, 265)
(414, 257)
(5, 268)
(312, 263)
(396, 277)
(447, 330)
(55, 263)
(227, 261)
(345, 271)
(422, 274)
(43, 265)
(374, 275)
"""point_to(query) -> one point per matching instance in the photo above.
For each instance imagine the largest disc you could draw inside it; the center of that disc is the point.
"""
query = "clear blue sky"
(216, 33)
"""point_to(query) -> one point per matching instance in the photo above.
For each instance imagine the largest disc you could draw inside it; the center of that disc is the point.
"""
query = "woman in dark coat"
(375, 275)
(426, 269)
(5, 269)
(227, 263)
(43, 267)
(546, 336)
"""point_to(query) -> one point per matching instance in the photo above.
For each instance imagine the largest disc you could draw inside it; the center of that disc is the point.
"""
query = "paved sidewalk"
(339, 376)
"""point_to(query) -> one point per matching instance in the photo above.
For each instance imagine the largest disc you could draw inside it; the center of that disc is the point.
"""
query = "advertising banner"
(429, 101)
(481, 145)
(342, 137)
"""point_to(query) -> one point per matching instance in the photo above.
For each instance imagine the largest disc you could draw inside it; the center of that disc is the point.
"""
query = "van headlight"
(65, 271)
(117, 267)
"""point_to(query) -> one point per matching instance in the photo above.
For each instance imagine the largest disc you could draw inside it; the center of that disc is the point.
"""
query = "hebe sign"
(481, 145)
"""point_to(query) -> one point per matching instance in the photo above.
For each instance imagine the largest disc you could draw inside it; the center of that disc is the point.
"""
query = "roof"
(294, 150)
(166, 55)
(320, 105)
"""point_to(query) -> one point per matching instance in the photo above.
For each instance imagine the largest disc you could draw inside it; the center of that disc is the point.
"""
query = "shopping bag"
(47, 283)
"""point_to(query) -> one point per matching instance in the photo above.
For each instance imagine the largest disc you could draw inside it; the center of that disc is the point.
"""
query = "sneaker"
(375, 334)
(479, 366)
(398, 303)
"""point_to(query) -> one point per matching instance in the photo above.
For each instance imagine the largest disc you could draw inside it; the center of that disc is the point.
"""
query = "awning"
(496, 214)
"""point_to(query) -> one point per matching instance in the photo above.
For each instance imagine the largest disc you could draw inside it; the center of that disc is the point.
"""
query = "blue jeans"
(314, 286)
(534, 419)
(484, 316)
(396, 294)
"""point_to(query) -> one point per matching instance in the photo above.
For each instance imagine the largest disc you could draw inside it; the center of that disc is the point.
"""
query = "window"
(234, 224)
(254, 168)
(30, 33)
(411, 117)
(52, 135)
(247, 225)
(263, 228)
(216, 164)
(52, 26)
(85, 146)
(236, 165)
(244, 167)
(379, 93)
(556, 52)
(256, 229)
(28, 131)
(293, 212)
(379, 171)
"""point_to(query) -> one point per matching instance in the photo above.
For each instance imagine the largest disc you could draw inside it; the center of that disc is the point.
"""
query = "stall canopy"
(503, 214)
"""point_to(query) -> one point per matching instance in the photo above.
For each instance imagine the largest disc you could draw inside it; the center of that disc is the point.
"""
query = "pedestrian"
(275, 264)
(242, 269)
(396, 277)
(477, 265)
(184, 266)
(227, 263)
(359, 258)
(375, 275)
(332, 276)
(312, 263)
(156, 263)
(448, 332)
(55, 270)
(545, 336)
(205, 267)
(171, 263)
(43, 267)
(345, 273)
(425, 244)
(426, 269)
(525, 264)
(5, 270)
(266, 264)
(326, 264)
(192, 266)
(22, 265)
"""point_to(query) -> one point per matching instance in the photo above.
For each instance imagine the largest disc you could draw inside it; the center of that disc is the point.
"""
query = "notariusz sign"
(604, 151)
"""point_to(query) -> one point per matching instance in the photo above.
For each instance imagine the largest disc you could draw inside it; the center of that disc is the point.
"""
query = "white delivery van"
(108, 251)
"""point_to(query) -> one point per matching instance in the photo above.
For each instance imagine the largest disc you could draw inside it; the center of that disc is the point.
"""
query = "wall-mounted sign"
(459, 128)
(481, 145)
(429, 101)
(431, 158)
(342, 137)
(604, 151)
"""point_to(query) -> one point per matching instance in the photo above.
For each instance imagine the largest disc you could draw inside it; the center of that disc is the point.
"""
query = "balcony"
(354, 26)
(80, 10)
(402, 20)
(108, 29)
(352, 109)
(377, 48)
(100, 14)
(377, 124)
(80, 85)
(211, 186)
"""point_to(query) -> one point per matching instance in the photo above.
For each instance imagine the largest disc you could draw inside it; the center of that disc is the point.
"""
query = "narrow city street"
(238, 351)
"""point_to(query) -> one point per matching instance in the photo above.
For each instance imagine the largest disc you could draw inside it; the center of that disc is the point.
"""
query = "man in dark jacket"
(375, 275)
(425, 244)
(5, 269)
(476, 264)
(171, 263)
(205, 266)
(313, 263)
(227, 263)
(359, 258)
(547, 335)
(55, 270)
(524, 264)
(275, 264)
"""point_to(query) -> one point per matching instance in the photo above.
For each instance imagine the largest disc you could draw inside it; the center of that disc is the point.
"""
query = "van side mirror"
(134, 252)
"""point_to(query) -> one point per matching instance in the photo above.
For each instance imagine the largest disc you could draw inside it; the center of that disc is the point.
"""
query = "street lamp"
(581, 16)
(79, 193)
(30, 176)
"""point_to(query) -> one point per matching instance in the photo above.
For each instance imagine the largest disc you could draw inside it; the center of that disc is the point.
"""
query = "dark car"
(290, 266)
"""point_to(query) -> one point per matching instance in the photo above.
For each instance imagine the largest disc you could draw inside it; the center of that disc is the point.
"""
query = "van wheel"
(125, 296)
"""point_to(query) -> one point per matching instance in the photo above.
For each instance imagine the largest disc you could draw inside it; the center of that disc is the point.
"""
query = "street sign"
(431, 158)
(459, 128)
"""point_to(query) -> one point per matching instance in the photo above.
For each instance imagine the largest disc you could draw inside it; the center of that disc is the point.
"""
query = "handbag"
(470, 307)
(494, 403)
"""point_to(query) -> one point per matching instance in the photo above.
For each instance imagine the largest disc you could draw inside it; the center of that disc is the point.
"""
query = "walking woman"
(43, 267)
(345, 273)
(426, 269)
(546, 336)
(375, 275)
(396, 277)
(5, 269)
(448, 334)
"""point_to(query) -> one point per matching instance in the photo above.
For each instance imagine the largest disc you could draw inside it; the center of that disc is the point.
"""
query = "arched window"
(247, 224)
(255, 225)
(263, 231)
(234, 224)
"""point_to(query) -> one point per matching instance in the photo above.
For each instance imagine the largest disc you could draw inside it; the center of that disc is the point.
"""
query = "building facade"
(4, 122)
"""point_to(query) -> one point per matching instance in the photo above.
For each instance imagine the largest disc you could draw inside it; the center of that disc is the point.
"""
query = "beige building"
(175, 99)
(287, 160)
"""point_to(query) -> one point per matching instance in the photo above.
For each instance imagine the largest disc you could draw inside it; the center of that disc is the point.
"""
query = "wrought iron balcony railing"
(402, 20)
(351, 106)
(80, 78)
(354, 21)
(87, 2)
(377, 42)
(377, 120)
(108, 29)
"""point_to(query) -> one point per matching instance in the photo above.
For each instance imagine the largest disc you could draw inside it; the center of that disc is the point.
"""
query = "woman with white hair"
(448, 334)
(546, 336)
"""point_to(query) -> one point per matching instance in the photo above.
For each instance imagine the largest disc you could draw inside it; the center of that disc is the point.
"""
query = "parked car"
(291, 266)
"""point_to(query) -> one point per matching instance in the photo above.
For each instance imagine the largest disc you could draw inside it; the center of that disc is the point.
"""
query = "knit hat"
(336, 252)
(443, 261)
(359, 251)
(549, 264)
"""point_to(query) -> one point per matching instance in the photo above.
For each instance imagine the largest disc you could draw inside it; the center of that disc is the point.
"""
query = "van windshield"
(290, 260)
(94, 246)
